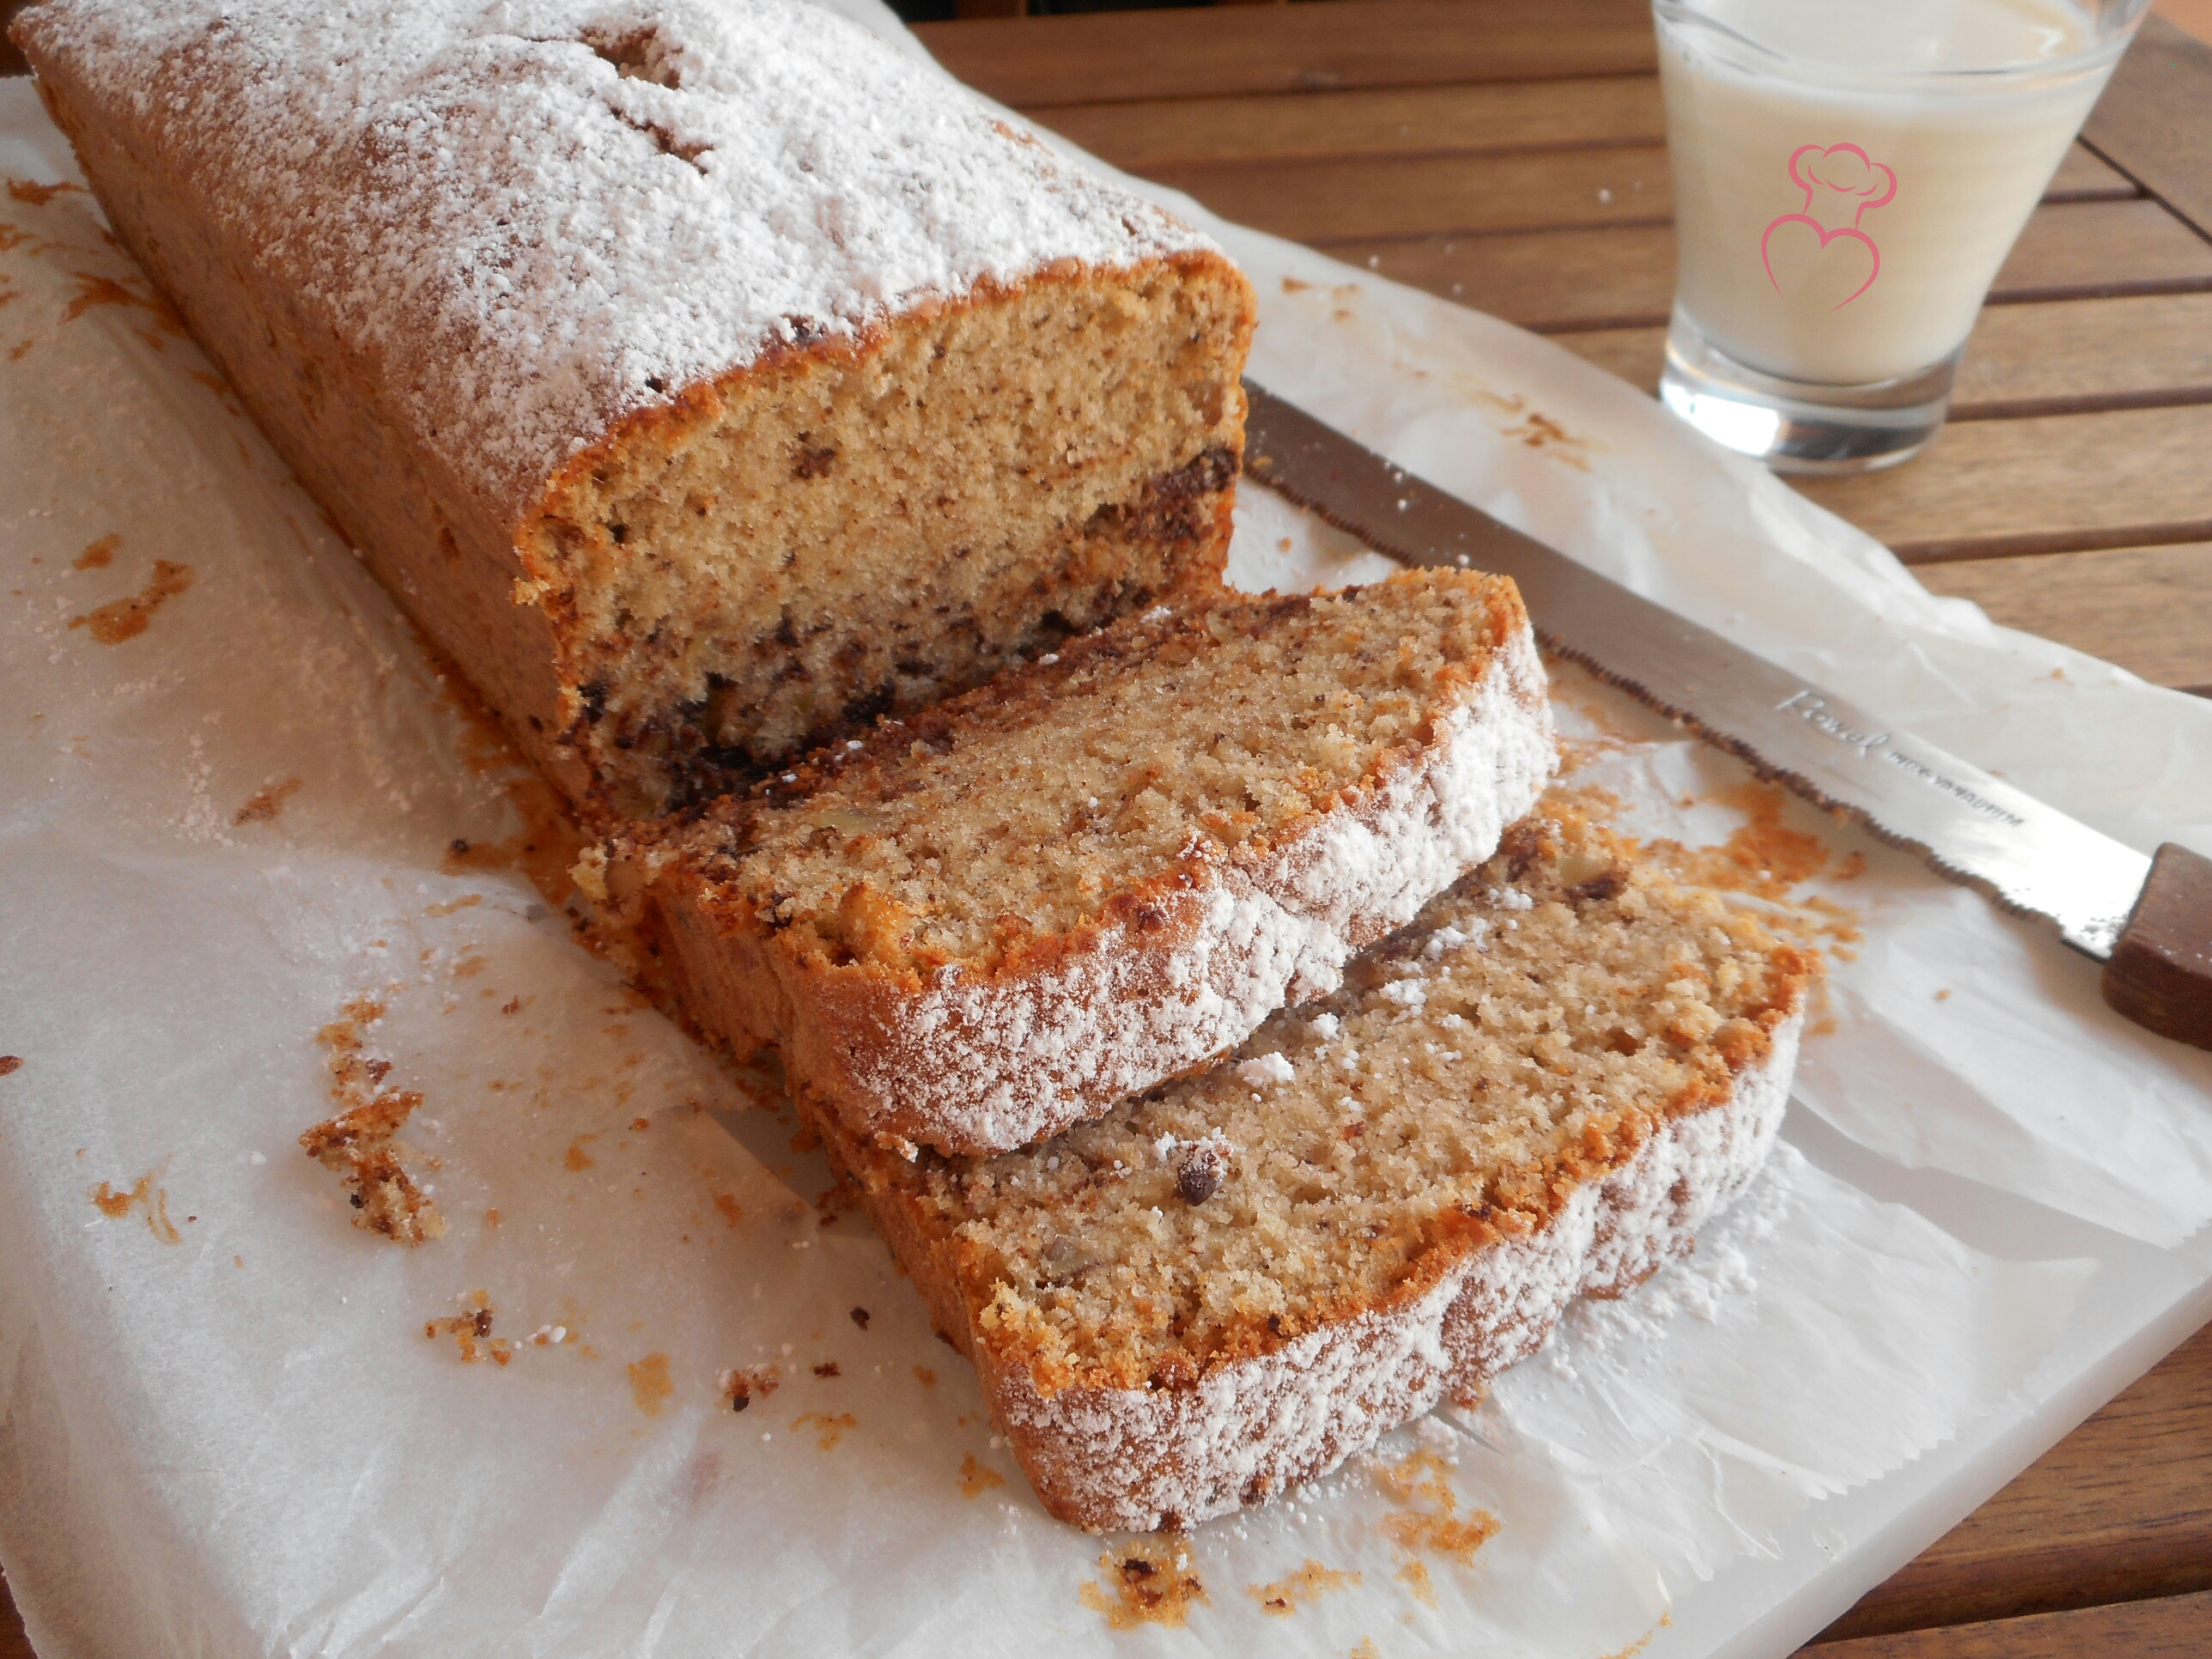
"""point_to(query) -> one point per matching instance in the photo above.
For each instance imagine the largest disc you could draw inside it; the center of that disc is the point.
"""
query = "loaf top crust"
(525, 221)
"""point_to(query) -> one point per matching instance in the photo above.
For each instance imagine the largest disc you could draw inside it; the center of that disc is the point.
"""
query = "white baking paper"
(223, 1428)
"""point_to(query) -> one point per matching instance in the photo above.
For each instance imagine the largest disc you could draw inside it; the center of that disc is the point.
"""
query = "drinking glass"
(1849, 175)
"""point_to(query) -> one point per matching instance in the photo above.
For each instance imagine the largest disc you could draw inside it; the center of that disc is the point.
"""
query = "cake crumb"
(10, 1064)
(576, 1158)
(860, 1317)
(1309, 1582)
(926, 1377)
(976, 1479)
(827, 1370)
(742, 1387)
(1149, 1582)
(360, 1143)
(1428, 1517)
(471, 1329)
(97, 556)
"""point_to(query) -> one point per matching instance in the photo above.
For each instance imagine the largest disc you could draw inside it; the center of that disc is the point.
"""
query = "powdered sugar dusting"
(979, 1065)
(1138, 1459)
(527, 219)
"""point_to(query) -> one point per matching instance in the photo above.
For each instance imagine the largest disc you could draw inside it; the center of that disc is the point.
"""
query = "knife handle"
(2161, 972)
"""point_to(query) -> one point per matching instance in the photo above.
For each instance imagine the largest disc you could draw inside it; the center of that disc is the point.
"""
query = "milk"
(1843, 200)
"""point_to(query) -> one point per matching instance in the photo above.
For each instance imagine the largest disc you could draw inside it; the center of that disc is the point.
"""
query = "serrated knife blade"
(1968, 824)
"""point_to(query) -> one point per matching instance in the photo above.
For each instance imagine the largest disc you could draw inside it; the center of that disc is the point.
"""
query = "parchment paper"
(223, 1428)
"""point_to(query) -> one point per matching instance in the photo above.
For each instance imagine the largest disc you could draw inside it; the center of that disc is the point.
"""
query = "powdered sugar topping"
(531, 218)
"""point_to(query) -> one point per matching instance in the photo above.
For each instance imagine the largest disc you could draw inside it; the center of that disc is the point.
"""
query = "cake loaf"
(706, 380)
(1234, 1282)
(997, 917)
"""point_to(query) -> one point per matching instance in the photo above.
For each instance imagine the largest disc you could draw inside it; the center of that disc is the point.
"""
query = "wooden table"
(1512, 157)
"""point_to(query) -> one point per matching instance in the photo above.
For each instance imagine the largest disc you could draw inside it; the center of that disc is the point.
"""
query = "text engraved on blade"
(1813, 709)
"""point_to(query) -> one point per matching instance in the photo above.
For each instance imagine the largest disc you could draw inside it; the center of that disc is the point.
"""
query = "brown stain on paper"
(106, 291)
(831, 1429)
(115, 1203)
(1148, 1581)
(1427, 1519)
(126, 619)
(649, 1385)
(1309, 1582)
(31, 195)
(266, 805)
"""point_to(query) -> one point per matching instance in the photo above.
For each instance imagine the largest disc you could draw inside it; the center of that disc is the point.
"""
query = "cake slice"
(999, 916)
(1234, 1282)
(706, 380)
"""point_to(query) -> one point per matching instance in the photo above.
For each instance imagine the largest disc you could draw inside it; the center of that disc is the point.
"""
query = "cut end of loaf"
(975, 926)
(856, 529)
(986, 833)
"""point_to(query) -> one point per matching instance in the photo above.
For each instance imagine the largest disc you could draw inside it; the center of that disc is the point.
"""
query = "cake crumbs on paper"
(115, 1203)
(976, 1479)
(359, 1142)
(472, 1330)
(742, 1387)
(1148, 1581)
(1427, 1519)
(1309, 1582)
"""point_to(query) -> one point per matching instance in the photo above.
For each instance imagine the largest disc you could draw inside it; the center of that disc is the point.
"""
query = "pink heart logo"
(1844, 177)
(1795, 252)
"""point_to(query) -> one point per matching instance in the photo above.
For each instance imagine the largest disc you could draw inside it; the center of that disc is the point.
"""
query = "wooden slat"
(1624, 276)
(1323, 201)
(2120, 1509)
(1524, 115)
(2069, 358)
(2146, 609)
(1108, 56)
(1328, 199)
(2171, 1628)
(2154, 121)
(2051, 484)
(13, 1645)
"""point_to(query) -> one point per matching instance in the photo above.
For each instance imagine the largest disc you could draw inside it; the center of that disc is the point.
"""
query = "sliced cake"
(1234, 1282)
(705, 379)
(995, 918)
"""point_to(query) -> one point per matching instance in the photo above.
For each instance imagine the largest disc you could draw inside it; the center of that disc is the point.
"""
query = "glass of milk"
(1849, 174)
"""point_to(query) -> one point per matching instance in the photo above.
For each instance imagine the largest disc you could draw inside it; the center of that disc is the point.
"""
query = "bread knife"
(2147, 919)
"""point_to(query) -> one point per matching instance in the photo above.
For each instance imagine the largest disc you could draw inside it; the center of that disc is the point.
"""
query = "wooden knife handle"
(2161, 974)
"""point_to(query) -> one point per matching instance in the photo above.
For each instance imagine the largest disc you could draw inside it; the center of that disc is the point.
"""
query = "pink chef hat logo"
(1842, 183)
